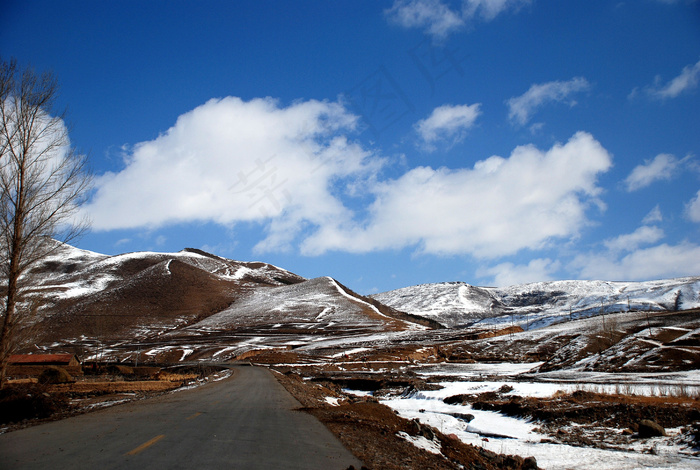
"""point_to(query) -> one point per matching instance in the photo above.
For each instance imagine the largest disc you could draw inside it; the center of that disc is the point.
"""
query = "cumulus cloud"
(447, 122)
(692, 209)
(439, 19)
(662, 167)
(292, 170)
(509, 274)
(231, 160)
(522, 107)
(657, 262)
(644, 235)
(686, 81)
(498, 207)
(628, 258)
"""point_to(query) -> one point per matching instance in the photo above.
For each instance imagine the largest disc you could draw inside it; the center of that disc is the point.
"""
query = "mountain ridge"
(458, 304)
(191, 300)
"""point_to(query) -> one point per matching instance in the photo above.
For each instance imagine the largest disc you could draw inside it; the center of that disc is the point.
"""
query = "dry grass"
(684, 393)
(176, 377)
(31, 380)
(115, 387)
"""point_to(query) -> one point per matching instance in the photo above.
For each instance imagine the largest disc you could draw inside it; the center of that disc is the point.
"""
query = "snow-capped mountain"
(111, 296)
(170, 306)
(144, 297)
(538, 304)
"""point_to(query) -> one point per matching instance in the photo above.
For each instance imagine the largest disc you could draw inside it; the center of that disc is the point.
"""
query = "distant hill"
(455, 304)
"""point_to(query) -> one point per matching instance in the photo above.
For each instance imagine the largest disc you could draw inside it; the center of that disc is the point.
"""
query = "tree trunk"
(6, 335)
(42, 183)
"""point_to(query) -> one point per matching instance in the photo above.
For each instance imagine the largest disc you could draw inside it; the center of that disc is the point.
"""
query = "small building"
(34, 364)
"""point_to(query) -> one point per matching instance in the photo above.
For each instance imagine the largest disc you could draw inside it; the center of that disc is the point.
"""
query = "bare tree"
(43, 181)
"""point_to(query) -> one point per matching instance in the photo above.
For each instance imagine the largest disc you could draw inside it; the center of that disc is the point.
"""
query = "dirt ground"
(373, 432)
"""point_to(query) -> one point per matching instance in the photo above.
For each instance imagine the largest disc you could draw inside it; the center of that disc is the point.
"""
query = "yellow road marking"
(193, 416)
(145, 445)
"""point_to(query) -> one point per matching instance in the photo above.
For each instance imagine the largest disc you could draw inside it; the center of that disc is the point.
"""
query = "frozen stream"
(479, 378)
(428, 407)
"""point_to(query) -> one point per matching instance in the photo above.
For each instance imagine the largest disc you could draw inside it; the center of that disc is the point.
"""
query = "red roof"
(41, 358)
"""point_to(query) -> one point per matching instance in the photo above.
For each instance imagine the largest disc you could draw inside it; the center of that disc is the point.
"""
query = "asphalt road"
(245, 422)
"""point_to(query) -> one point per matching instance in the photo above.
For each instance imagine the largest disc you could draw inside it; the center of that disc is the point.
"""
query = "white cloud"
(644, 235)
(439, 19)
(490, 9)
(436, 18)
(536, 128)
(447, 122)
(653, 216)
(229, 161)
(292, 171)
(692, 209)
(662, 167)
(625, 260)
(686, 81)
(522, 107)
(496, 208)
(509, 274)
(658, 262)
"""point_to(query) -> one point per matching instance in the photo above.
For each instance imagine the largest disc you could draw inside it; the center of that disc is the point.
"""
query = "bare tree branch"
(43, 181)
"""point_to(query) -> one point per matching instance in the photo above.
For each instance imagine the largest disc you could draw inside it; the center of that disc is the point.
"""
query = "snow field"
(520, 438)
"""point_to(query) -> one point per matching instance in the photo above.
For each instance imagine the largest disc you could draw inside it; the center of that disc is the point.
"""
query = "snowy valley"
(479, 364)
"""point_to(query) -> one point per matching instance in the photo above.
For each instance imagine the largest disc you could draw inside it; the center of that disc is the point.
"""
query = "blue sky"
(385, 144)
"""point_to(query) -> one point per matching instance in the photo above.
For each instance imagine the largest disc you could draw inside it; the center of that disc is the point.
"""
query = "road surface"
(245, 422)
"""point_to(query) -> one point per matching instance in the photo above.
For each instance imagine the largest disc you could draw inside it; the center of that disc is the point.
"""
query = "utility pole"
(602, 311)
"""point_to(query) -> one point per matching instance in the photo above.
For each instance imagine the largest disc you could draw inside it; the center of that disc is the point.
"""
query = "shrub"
(28, 401)
(54, 375)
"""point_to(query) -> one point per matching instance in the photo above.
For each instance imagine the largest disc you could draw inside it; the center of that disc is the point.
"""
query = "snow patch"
(333, 401)
(185, 353)
(355, 299)
(422, 443)
(350, 352)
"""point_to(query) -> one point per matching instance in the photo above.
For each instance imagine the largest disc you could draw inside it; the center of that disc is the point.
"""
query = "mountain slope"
(539, 304)
(318, 305)
(170, 305)
(103, 296)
